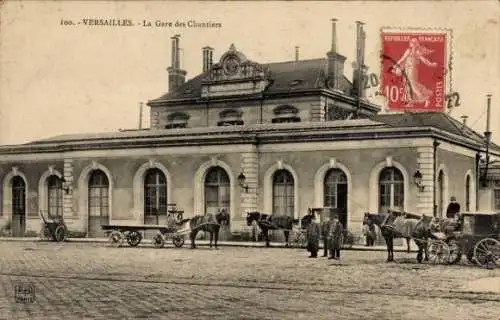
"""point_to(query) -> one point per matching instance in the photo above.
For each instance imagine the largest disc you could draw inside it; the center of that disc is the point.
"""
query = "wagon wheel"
(439, 252)
(60, 234)
(134, 238)
(178, 240)
(487, 253)
(300, 239)
(158, 240)
(455, 251)
(116, 238)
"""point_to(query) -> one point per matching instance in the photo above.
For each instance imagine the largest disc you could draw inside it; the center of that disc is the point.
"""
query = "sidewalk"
(247, 244)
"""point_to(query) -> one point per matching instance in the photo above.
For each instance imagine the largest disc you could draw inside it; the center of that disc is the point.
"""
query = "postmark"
(24, 293)
(415, 69)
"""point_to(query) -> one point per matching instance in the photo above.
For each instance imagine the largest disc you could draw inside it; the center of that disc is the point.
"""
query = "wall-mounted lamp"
(242, 181)
(66, 186)
(417, 179)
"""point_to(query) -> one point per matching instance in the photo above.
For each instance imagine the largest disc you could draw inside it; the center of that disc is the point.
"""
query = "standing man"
(453, 208)
(335, 235)
(313, 232)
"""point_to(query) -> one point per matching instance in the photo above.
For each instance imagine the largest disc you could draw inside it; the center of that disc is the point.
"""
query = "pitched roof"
(438, 120)
(309, 73)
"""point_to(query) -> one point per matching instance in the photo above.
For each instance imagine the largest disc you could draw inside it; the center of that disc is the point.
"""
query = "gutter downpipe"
(435, 145)
(478, 178)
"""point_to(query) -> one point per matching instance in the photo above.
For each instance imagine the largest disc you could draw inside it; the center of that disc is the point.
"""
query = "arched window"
(467, 193)
(440, 193)
(177, 120)
(335, 189)
(18, 196)
(155, 192)
(285, 113)
(217, 190)
(55, 196)
(391, 190)
(283, 193)
(98, 194)
(230, 117)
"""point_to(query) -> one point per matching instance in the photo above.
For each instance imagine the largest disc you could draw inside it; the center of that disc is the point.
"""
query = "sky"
(58, 79)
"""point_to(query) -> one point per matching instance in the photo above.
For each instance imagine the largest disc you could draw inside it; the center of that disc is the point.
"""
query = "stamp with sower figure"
(414, 69)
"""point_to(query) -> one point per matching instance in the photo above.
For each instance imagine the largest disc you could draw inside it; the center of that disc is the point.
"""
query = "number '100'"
(393, 93)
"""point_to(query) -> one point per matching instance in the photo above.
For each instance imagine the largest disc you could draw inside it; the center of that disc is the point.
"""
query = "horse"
(209, 223)
(268, 222)
(396, 225)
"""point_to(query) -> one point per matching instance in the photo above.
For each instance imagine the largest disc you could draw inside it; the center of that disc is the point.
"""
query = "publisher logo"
(24, 293)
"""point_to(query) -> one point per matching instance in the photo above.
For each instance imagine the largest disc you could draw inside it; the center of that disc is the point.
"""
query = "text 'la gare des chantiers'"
(143, 23)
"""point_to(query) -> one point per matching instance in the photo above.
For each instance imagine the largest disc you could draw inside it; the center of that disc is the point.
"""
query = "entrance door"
(98, 203)
(335, 193)
(18, 207)
(218, 196)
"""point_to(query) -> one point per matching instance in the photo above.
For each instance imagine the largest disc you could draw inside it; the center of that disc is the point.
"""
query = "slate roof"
(218, 130)
(310, 72)
(441, 121)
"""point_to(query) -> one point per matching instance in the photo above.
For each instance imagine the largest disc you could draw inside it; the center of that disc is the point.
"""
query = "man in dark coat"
(313, 232)
(453, 208)
(336, 238)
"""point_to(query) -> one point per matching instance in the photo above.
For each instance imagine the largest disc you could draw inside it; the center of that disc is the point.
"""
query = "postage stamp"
(415, 69)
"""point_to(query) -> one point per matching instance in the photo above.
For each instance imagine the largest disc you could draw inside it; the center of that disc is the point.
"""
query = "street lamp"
(417, 179)
(242, 181)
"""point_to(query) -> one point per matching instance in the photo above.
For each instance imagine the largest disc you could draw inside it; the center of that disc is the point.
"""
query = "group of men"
(332, 229)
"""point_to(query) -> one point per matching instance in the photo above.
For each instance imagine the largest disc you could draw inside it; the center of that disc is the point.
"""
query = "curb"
(274, 245)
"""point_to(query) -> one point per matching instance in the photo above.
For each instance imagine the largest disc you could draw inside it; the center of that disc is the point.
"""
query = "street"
(95, 281)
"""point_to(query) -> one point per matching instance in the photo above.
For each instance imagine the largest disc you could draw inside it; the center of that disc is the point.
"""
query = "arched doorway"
(155, 198)
(54, 196)
(335, 192)
(98, 203)
(283, 193)
(217, 188)
(440, 194)
(18, 206)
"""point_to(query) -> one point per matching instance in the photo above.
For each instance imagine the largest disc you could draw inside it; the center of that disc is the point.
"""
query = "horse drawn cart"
(175, 230)
(475, 234)
(53, 227)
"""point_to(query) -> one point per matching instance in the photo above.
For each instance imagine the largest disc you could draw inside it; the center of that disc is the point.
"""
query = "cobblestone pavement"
(94, 281)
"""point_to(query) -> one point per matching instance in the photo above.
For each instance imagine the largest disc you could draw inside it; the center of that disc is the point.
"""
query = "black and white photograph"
(250, 160)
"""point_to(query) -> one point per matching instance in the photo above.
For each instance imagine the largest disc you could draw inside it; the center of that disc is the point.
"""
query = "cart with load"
(53, 227)
(475, 235)
(174, 230)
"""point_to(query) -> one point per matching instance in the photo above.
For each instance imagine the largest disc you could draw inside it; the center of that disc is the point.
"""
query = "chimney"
(176, 76)
(358, 72)
(335, 69)
(208, 54)
(296, 53)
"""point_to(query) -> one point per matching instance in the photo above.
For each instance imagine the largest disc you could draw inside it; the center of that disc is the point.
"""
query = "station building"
(246, 136)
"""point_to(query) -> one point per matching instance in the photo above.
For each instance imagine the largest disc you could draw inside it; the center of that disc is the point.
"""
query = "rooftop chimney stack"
(176, 76)
(208, 55)
(335, 69)
(296, 53)
(358, 71)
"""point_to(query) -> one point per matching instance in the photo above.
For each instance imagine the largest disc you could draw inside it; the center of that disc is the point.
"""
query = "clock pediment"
(234, 74)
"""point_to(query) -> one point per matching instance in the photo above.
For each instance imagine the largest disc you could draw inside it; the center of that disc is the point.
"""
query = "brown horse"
(396, 225)
(209, 223)
(268, 222)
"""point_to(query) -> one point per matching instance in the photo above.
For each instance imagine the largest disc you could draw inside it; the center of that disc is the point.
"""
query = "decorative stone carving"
(333, 163)
(388, 161)
(15, 171)
(279, 163)
(95, 165)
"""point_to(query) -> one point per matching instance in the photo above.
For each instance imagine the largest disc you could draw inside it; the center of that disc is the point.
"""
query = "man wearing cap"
(313, 232)
(453, 208)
